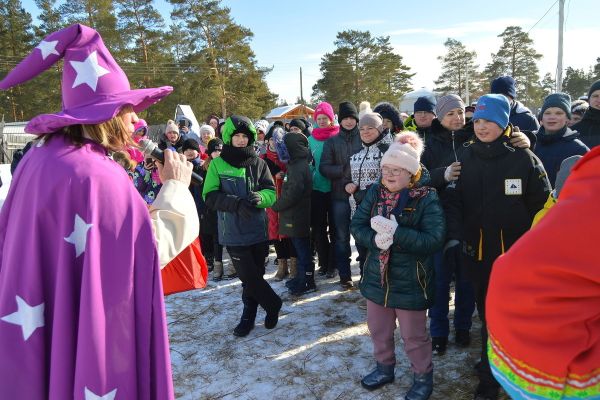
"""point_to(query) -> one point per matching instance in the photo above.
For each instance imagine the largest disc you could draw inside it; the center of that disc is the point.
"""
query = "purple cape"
(81, 305)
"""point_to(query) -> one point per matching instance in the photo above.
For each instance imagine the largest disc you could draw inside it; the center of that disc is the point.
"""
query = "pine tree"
(16, 42)
(595, 73)
(548, 84)
(225, 75)
(458, 65)
(361, 67)
(576, 82)
(517, 58)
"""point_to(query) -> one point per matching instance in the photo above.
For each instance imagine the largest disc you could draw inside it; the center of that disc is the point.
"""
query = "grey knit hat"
(447, 103)
(371, 119)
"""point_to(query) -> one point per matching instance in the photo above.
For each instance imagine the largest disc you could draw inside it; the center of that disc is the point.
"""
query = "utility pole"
(559, 66)
(468, 102)
(301, 93)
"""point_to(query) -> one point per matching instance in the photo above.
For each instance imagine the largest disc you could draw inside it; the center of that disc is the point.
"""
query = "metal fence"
(12, 138)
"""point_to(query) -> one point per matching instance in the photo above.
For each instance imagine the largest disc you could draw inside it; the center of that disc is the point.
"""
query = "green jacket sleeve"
(429, 235)
(265, 186)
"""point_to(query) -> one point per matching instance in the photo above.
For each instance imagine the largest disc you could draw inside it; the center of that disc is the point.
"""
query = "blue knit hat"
(493, 107)
(560, 100)
(425, 103)
(504, 85)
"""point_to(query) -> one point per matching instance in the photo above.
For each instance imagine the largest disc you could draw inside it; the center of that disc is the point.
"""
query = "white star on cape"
(88, 71)
(79, 235)
(89, 395)
(48, 48)
(30, 318)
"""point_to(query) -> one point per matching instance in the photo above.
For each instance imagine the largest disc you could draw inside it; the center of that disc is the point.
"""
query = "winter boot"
(381, 375)
(293, 264)
(246, 324)
(438, 345)
(421, 388)
(462, 338)
(218, 271)
(210, 264)
(282, 269)
(272, 316)
(229, 271)
(303, 286)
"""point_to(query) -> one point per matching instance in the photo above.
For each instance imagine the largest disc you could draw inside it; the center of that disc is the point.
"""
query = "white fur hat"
(207, 128)
(405, 152)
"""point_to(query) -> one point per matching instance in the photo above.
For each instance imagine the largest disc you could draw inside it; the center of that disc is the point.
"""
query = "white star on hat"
(88, 71)
(30, 318)
(79, 235)
(89, 395)
(48, 48)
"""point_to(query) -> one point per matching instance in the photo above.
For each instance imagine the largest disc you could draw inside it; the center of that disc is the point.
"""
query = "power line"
(546, 13)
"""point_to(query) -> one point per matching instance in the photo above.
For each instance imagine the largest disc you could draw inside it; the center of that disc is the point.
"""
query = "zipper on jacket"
(424, 283)
(387, 289)
(362, 276)
(480, 249)
(454, 147)
(502, 240)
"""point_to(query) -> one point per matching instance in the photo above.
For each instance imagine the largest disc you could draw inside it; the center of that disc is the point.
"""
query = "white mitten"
(384, 240)
(381, 224)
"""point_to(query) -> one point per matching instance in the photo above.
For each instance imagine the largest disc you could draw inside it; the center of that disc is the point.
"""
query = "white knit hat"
(261, 125)
(364, 107)
(405, 152)
(208, 129)
(171, 127)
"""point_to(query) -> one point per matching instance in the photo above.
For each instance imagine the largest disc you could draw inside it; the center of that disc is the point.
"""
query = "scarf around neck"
(238, 156)
(322, 134)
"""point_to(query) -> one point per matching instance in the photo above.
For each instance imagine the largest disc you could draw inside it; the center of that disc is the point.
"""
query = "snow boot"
(248, 317)
(282, 269)
(229, 271)
(422, 387)
(218, 271)
(438, 345)
(303, 286)
(272, 316)
(293, 267)
(381, 375)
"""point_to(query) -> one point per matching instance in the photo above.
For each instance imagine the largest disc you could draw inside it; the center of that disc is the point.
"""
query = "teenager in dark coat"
(293, 207)
(589, 126)
(493, 202)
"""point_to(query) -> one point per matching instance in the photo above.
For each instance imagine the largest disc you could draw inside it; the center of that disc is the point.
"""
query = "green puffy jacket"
(409, 281)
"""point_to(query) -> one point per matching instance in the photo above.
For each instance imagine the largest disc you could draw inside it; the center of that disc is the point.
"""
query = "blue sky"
(289, 34)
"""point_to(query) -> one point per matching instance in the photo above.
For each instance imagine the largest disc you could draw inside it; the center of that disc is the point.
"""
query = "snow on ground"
(6, 177)
(320, 349)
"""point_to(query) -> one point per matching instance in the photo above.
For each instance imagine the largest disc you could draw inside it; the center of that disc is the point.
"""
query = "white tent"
(408, 100)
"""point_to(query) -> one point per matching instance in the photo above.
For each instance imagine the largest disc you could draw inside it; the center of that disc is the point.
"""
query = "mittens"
(381, 224)
(384, 240)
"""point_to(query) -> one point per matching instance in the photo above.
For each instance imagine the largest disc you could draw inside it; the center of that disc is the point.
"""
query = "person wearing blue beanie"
(499, 190)
(505, 85)
(493, 108)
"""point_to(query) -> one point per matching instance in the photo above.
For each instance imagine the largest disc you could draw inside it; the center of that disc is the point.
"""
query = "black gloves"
(254, 198)
(245, 209)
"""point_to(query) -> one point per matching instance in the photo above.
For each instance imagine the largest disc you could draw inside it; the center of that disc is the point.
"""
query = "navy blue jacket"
(552, 149)
(522, 117)
(589, 128)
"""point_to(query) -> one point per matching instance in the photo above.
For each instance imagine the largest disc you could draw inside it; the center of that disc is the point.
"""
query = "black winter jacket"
(293, 205)
(553, 149)
(589, 128)
(493, 202)
(523, 118)
(335, 160)
(442, 148)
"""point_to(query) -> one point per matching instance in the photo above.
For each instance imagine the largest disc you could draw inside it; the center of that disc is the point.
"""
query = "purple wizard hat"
(94, 87)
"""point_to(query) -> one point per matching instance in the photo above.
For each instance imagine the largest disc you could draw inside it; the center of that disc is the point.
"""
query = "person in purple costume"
(82, 313)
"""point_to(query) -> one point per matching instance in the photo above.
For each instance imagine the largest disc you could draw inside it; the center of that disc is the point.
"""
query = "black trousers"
(320, 207)
(249, 263)
(284, 248)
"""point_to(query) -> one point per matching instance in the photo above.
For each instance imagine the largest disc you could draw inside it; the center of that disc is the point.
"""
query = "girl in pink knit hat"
(401, 224)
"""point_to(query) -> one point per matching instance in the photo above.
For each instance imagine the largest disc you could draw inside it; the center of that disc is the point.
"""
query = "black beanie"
(347, 109)
(559, 100)
(215, 144)
(190, 144)
(595, 86)
(388, 111)
(299, 124)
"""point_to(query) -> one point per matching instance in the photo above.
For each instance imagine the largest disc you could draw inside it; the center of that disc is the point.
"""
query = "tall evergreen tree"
(548, 84)
(225, 77)
(362, 67)
(517, 58)
(97, 14)
(16, 41)
(458, 65)
(595, 73)
(576, 82)
(49, 17)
